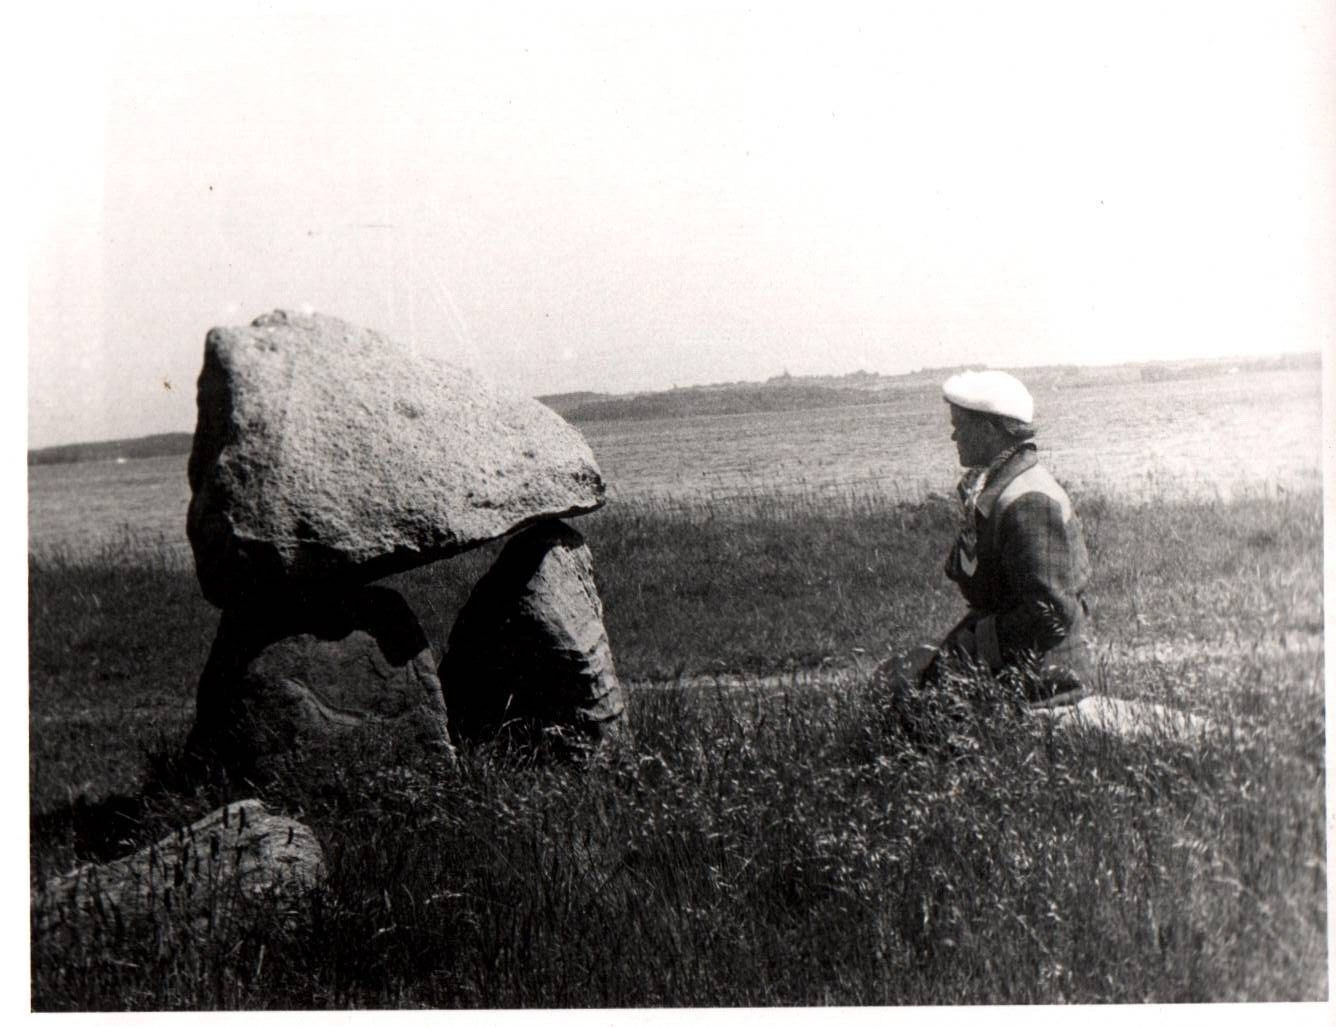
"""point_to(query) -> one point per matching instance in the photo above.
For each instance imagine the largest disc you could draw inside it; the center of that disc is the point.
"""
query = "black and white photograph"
(627, 507)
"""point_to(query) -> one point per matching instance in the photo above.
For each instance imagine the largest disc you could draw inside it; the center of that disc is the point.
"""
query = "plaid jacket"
(1024, 573)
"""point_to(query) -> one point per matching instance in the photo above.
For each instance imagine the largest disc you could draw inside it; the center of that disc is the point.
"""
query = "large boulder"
(528, 659)
(199, 878)
(283, 682)
(327, 454)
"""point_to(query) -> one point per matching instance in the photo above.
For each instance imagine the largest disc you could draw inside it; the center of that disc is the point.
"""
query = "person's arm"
(1043, 565)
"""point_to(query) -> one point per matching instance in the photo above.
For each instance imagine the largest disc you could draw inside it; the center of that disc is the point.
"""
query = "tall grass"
(774, 843)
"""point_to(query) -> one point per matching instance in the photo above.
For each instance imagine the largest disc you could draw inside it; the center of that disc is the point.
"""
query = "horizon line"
(784, 374)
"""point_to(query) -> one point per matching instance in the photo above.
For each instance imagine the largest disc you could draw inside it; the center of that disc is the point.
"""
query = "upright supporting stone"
(528, 659)
(281, 680)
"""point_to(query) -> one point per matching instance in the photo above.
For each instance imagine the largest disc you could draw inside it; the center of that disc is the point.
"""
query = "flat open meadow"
(769, 838)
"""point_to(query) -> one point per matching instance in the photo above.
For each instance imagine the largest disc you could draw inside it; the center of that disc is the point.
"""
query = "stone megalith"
(199, 878)
(284, 679)
(528, 658)
(1128, 719)
(327, 454)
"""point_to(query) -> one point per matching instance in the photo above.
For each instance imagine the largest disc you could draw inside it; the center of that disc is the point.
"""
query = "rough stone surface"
(1127, 719)
(197, 879)
(325, 453)
(528, 656)
(282, 680)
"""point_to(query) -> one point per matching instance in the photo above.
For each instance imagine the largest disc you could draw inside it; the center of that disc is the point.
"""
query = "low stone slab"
(1127, 719)
(528, 656)
(282, 680)
(197, 879)
(327, 454)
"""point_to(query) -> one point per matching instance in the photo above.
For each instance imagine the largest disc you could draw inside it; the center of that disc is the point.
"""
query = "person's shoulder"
(1034, 489)
(1000, 478)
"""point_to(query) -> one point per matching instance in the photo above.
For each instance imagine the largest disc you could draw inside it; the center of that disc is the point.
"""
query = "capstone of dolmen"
(528, 658)
(282, 680)
(327, 454)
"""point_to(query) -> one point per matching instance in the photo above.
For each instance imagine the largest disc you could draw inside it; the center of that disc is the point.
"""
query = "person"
(1019, 559)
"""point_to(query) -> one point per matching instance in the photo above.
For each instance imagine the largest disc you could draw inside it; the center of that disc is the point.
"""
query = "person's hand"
(962, 641)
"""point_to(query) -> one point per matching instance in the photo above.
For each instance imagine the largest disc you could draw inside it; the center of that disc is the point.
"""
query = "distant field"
(1208, 436)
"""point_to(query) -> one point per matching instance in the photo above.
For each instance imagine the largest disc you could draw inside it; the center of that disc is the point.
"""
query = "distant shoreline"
(780, 393)
(166, 444)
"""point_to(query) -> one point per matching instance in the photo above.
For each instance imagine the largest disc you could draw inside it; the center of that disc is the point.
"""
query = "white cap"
(990, 392)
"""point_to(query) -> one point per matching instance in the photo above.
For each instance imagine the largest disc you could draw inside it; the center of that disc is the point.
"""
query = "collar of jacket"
(1022, 460)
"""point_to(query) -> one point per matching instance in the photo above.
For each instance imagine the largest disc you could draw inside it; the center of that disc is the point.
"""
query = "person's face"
(975, 436)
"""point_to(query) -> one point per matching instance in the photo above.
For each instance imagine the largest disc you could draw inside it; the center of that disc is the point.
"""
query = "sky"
(631, 197)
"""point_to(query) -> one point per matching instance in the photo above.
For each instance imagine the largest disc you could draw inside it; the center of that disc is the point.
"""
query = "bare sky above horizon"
(604, 197)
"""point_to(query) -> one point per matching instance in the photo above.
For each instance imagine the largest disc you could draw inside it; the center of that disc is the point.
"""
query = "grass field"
(769, 841)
